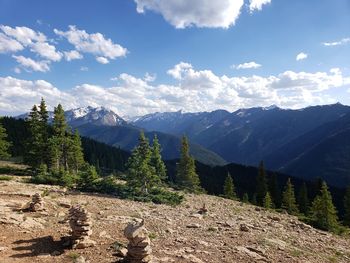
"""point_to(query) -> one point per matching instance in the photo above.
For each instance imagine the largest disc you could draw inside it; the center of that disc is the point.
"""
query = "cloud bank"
(194, 90)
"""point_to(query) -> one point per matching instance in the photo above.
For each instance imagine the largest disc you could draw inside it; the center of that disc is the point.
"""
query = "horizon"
(144, 57)
(131, 118)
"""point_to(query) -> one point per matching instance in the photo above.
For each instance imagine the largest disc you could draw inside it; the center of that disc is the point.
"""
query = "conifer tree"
(261, 185)
(268, 201)
(347, 207)
(323, 211)
(186, 176)
(245, 198)
(76, 156)
(229, 188)
(156, 160)
(44, 131)
(253, 200)
(303, 200)
(59, 142)
(140, 174)
(274, 190)
(33, 145)
(288, 199)
(4, 144)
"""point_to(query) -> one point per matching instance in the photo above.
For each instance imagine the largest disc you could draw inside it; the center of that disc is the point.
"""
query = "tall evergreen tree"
(303, 200)
(245, 198)
(186, 176)
(4, 144)
(229, 188)
(288, 199)
(140, 174)
(34, 143)
(275, 191)
(59, 142)
(261, 184)
(323, 211)
(268, 201)
(347, 207)
(156, 160)
(76, 156)
(44, 132)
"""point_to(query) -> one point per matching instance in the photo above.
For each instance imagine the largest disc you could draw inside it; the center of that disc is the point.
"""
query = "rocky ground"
(229, 232)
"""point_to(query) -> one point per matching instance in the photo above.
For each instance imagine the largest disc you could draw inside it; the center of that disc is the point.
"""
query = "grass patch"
(296, 253)
(7, 169)
(73, 256)
(152, 235)
(5, 178)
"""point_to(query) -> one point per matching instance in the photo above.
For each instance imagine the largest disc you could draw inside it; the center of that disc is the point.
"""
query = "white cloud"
(72, 55)
(149, 77)
(247, 65)
(200, 13)
(102, 60)
(301, 56)
(30, 64)
(95, 43)
(46, 50)
(9, 45)
(257, 4)
(193, 90)
(343, 41)
(24, 35)
(37, 42)
(18, 96)
(84, 68)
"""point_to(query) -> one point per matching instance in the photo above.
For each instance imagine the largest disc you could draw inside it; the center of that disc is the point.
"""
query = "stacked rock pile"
(139, 247)
(37, 203)
(80, 223)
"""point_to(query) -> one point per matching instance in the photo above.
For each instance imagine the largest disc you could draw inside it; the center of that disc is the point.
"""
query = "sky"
(142, 56)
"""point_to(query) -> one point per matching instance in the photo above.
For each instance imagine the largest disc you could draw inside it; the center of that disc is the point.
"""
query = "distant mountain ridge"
(106, 126)
(308, 143)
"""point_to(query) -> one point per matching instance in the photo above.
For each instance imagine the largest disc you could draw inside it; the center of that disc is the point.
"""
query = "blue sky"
(198, 55)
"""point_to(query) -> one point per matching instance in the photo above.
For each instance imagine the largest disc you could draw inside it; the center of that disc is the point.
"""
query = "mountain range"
(307, 143)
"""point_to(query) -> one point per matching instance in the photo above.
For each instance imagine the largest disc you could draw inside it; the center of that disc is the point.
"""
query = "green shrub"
(5, 178)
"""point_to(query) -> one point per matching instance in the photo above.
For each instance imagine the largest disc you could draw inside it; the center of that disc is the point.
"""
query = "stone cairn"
(80, 223)
(37, 203)
(139, 247)
(203, 210)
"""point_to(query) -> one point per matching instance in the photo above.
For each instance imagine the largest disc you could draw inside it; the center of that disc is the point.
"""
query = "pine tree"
(347, 207)
(60, 142)
(275, 191)
(156, 160)
(253, 199)
(76, 156)
(303, 200)
(268, 201)
(33, 145)
(323, 211)
(140, 174)
(288, 199)
(186, 176)
(229, 188)
(245, 198)
(4, 144)
(261, 185)
(44, 132)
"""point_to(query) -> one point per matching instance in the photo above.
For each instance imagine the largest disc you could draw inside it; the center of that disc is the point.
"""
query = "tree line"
(319, 212)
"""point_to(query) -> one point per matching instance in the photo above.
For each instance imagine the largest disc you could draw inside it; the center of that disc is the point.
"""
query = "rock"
(80, 259)
(31, 223)
(244, 228)
(122, 252)
(139, 248)
(203, 210)
(80, 223)
(37, 203)
(3, 248)
(193, 225)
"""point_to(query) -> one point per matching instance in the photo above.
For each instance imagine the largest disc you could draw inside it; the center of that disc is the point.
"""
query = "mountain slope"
(179, 123)
(126, 137)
